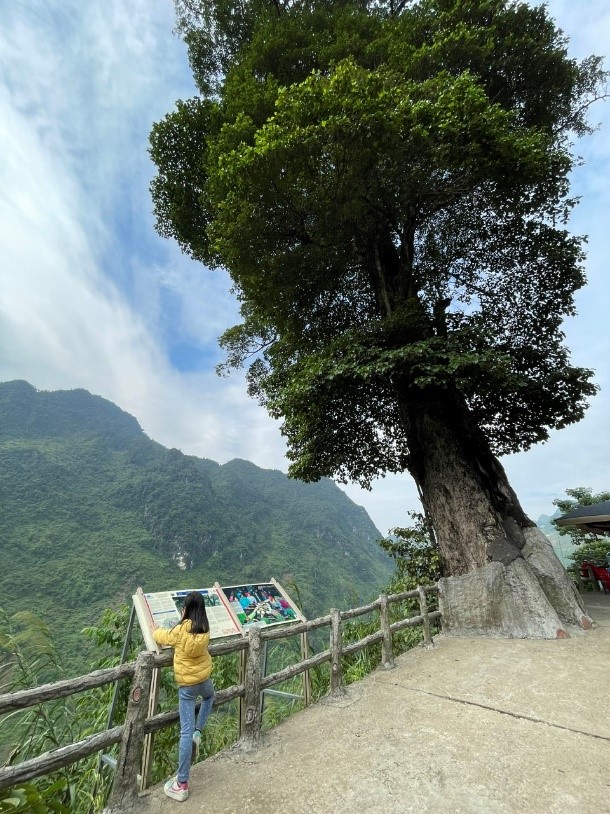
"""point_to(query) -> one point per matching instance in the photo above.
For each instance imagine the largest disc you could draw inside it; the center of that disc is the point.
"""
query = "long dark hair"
(194, 609)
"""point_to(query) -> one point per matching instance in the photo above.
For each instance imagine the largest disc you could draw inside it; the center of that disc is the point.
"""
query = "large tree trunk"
(503, 576)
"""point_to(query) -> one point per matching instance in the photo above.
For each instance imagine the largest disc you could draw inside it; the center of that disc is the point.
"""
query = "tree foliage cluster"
(28, 658)
(416, 555)
(90, 515)
(588, 547)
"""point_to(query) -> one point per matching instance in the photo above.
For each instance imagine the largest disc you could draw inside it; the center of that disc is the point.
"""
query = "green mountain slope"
(91, 508)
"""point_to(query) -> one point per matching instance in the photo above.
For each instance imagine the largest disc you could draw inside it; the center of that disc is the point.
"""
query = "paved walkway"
(473, 726)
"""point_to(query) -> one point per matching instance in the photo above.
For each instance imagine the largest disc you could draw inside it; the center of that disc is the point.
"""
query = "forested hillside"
(91, 508)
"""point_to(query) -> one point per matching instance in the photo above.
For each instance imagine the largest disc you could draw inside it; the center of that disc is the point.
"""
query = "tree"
(577, 497)
(387, 185)
(594, 551)
(415, 553)
(590, 547)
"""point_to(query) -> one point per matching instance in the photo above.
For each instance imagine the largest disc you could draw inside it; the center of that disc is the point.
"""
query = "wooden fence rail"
(62, 689)
(131, 734)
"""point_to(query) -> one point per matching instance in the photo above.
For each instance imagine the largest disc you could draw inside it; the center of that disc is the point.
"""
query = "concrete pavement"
(473, 726)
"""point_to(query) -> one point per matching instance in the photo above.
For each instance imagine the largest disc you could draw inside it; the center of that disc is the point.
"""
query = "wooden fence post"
(423, 609)
(306, 676)
(147, 750)
(387, 652)
(251, 724)
(336, 647)
(593, 579)
(124, 794)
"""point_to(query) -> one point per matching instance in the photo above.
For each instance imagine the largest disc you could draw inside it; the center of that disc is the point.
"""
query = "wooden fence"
(131, 734)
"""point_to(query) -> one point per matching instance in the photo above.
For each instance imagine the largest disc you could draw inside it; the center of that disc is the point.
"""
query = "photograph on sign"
(166, 611)
(262, 603)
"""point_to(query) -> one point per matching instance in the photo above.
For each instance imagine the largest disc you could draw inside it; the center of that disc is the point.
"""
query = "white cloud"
(206, 308)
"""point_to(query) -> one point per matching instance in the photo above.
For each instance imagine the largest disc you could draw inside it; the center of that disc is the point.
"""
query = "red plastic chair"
(602, 575)
(587, 572)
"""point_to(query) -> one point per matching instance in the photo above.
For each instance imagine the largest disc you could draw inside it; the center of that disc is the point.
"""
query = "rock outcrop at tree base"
(530, 598)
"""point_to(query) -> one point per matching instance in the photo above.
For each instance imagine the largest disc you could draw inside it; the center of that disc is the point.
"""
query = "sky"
(91, 297)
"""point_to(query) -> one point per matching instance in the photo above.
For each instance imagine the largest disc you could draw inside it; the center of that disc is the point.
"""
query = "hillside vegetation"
(92, 508)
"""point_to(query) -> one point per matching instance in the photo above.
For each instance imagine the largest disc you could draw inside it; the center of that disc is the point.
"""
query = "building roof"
(595, 518)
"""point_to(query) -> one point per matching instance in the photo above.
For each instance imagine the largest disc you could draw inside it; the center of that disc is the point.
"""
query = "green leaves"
(28, 799)
(179, 147)
(344, 148)
(27, 651)
(416, 554)
(577, 497)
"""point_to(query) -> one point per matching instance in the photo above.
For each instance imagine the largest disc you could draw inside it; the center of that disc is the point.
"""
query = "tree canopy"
(387, 184)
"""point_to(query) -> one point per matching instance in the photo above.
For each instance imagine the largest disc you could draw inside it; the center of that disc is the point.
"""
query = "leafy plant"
(578, 497)
(595, 551)
(29, 799)
(29, 657)
(417, 562)
(415, 553)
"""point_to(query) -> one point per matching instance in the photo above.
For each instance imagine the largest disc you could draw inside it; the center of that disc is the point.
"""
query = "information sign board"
(231, 610)
(265, 603)
(165, 610)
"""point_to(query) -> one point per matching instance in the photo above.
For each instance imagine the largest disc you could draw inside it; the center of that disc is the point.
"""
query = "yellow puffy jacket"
(192, 662)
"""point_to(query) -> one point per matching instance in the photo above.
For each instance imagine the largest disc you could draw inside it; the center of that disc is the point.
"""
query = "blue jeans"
(187, 701)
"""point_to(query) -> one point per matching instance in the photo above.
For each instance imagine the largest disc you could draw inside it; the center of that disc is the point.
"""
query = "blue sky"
(91, 297)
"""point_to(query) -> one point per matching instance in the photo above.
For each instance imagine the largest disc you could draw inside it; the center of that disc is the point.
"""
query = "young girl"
(192, 669)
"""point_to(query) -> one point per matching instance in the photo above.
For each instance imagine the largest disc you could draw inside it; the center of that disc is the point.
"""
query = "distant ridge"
(29, 413)
(92, 508)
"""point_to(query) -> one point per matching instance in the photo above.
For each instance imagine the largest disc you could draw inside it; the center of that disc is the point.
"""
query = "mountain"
(91, 508)
(562, 543)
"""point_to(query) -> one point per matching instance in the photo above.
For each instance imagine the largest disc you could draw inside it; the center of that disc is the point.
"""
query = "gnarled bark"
(504, 577)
